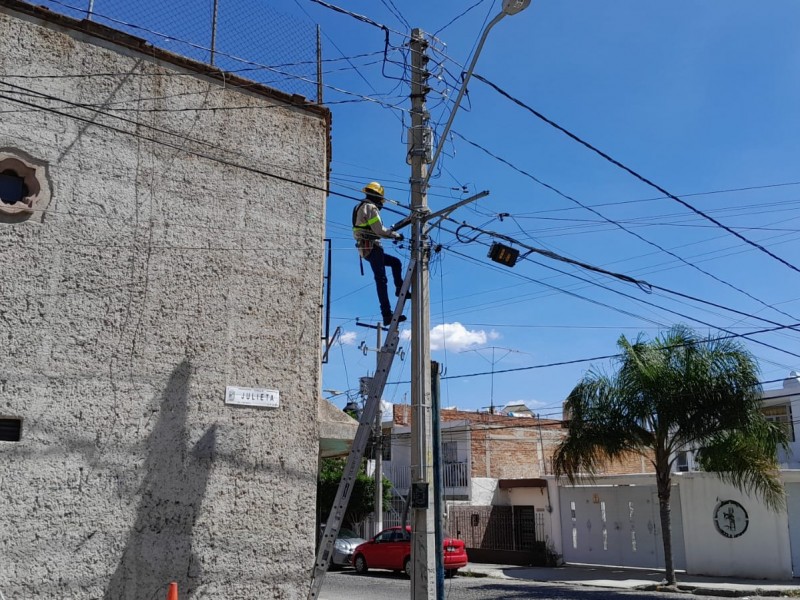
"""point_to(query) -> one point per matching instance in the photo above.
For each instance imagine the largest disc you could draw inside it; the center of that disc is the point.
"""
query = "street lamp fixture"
(510, 7)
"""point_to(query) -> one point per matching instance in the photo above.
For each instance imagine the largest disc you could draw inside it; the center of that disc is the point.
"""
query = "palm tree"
(678, 392)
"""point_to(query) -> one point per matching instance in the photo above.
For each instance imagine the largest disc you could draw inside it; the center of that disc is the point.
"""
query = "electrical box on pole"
(505, 255)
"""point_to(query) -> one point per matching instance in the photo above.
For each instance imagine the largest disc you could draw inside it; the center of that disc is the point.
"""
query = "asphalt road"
(347, 585)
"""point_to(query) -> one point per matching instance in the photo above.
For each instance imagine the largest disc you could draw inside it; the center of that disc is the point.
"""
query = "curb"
(654, 587)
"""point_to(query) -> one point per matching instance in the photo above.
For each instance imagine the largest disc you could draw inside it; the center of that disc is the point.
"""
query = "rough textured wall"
(156, 277)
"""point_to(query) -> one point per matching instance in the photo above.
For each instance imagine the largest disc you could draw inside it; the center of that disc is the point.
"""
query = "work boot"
(387, 319)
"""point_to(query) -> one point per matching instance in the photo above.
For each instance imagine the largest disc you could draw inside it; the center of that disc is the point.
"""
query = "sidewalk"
(628, 578)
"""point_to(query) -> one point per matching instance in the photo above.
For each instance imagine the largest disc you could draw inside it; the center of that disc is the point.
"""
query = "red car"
(391, 549)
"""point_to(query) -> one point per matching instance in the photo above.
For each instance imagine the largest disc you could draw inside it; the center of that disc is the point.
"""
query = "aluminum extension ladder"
(360, 442)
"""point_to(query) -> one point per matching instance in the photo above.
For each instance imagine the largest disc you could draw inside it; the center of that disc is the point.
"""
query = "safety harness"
(363, 234)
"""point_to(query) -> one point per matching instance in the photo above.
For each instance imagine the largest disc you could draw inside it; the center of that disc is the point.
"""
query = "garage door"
(618, 525)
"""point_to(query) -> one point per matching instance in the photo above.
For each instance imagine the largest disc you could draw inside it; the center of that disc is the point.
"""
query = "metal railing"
(454, 476)
(251, 39)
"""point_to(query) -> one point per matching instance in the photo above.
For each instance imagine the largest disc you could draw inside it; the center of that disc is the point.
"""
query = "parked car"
(391, 549)
(346, 542)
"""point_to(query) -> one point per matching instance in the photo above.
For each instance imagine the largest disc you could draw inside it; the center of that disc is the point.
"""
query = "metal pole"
(319, 67)
(214, 30)
(438, 488)
(90, 11)
(491, 390)
(422, 539)
(463, 89)
(379, 452)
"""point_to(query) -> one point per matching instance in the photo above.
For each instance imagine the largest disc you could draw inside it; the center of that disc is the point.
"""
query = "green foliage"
(678, 392)
(362, 499)
(675, 393)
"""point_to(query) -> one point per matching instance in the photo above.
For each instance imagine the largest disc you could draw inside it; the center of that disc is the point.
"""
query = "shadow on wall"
(159, 545)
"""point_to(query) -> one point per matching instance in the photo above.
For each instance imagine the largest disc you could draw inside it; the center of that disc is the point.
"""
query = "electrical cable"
(396, 13)
(635, 174)
(456, 18)
(192, 152)
(567, 292)
(624, 278)
(583, 360)
(617, 224)
(643, 285)
(657, 198)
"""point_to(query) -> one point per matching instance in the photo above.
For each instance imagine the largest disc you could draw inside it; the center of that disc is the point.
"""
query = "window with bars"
(781, 414)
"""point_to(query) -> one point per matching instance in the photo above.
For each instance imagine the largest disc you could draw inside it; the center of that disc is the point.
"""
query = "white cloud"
(456, 337)
(348, 338)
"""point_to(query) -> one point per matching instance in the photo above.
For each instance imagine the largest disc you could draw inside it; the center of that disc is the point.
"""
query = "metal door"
(618, 525)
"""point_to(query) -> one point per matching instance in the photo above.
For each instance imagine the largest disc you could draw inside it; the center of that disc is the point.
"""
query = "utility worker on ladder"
(368, 231)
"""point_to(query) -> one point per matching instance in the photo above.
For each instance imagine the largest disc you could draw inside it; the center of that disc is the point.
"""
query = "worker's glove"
(398, 237)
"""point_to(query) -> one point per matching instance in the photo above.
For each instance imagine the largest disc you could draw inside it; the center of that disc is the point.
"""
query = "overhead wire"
(457, 17)
(582, 360)
(635, 174)
(619, 225)
(627, 279)
(235, 165)
(396, 12)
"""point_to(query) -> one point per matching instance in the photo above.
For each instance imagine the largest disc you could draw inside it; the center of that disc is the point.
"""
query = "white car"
(346, 542)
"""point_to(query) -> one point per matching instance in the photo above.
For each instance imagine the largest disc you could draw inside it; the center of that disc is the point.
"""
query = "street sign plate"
(252, 397)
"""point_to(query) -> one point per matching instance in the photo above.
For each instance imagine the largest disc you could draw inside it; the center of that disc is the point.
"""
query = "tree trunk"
(664, 481)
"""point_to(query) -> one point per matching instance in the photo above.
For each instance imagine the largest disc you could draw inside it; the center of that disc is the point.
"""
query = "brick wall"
(504, 447)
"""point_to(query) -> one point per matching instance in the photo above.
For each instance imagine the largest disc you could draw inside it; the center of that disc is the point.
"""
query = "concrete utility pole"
(422, 541)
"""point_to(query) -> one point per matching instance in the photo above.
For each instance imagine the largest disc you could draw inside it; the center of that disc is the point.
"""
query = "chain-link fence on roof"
(244, 37)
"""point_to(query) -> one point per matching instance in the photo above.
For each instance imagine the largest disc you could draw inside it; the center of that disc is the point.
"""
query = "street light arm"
(461, 92)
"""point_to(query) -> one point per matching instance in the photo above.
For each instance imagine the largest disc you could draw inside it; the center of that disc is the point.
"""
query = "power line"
(181, 148)
(584, 360)
(456, 18)
(645, 301)
(634, 173)
(564, 291)
(358, 17)
(396, 12)
(209, 71)
(619, 225)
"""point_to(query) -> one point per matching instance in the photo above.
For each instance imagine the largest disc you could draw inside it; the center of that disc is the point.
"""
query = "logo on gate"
(730, 518)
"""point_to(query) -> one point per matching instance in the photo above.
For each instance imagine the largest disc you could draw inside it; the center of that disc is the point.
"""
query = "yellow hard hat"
(374, 187)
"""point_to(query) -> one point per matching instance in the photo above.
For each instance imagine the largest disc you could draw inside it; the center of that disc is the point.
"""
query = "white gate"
(793, 510)
(618, 525)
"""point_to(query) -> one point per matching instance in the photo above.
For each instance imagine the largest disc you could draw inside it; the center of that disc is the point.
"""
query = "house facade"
(716, 529)
(160, 373)
(513, 499)
(499, 489)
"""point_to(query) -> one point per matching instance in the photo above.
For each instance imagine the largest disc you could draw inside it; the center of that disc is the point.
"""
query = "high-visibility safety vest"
(364, 230)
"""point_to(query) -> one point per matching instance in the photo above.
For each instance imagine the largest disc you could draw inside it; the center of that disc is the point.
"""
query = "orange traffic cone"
(172, 592)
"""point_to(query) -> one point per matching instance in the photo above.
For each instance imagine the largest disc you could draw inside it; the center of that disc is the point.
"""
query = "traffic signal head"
(505, 255)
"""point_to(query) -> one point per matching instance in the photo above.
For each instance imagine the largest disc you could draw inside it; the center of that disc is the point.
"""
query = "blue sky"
(699, 97)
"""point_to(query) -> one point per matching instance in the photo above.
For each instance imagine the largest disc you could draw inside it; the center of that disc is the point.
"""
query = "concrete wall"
(156, 278)
(762, 551)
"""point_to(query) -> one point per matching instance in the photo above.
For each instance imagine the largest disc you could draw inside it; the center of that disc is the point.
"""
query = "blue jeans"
(379, 261)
